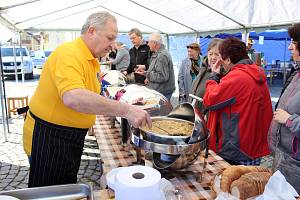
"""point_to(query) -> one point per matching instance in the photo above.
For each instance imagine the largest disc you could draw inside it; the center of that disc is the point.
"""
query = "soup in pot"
(170, 127)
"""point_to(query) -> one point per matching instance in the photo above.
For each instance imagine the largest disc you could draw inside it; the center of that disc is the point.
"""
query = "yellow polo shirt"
(70, 66)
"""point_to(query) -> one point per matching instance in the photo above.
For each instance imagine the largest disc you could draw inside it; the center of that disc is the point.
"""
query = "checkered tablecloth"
(114, 154)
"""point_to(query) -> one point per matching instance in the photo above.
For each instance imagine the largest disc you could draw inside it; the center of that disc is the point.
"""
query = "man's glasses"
(191, 47)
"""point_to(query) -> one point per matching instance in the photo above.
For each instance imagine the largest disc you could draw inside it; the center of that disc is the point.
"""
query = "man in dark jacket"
(139, 56)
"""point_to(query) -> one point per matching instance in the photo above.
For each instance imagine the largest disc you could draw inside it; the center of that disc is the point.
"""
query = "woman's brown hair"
(234, 49)
(294, 32)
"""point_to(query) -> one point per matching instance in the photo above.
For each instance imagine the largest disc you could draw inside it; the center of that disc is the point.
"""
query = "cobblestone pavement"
(14, 166)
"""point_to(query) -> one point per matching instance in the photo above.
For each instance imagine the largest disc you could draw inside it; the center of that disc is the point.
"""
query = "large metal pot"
(171, 157)
(175, 152)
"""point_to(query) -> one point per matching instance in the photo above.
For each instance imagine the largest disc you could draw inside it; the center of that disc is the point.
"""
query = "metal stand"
(138, 149)
(140, 143)
(200, 177)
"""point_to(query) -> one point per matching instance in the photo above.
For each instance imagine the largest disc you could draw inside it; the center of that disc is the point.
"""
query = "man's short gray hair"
(136, 31)
(156, 37)
(97, 20)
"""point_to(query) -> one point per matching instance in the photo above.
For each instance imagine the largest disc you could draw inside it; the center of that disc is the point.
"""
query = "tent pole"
(16, 5)
(168, 42)
(245, 36)
(284, 59)
(15, 59)
(22, 60)
(3, 100)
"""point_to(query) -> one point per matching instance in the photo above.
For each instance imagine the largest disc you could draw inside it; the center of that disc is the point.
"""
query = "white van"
(8, 61)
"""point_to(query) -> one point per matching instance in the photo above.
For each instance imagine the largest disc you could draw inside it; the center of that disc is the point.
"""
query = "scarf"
(195, 67)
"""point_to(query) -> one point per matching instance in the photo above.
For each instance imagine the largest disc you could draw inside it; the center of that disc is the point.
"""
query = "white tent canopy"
(165, 16)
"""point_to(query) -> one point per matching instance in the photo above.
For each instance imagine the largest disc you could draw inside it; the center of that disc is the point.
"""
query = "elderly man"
(160, 75)
(188, 71)
(122, 58)
(139, 56)
(66, 101)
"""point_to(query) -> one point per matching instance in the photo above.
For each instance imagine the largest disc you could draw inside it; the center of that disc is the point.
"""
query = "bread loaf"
(233, 173)
(250, 184)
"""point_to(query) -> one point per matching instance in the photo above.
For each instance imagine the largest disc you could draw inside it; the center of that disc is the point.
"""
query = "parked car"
(8, 61)
(40, 57)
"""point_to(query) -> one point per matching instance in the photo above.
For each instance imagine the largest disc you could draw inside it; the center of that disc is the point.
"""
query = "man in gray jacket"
(160, 75)
(122, 59)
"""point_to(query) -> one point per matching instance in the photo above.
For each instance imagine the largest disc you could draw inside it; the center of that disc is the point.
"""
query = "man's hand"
(141, 68)
(281, 116)
(124, 72)
(138, 117)
(146, 81)
(217, 66)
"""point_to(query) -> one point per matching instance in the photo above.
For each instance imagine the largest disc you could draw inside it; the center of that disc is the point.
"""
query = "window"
(9, 52)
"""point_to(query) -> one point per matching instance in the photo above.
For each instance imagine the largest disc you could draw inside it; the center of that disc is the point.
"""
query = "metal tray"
(56, 192)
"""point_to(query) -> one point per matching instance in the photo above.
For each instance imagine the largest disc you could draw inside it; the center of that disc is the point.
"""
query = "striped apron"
(56, 153)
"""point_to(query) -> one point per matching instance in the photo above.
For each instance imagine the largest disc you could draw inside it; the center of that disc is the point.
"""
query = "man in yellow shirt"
(66, 101)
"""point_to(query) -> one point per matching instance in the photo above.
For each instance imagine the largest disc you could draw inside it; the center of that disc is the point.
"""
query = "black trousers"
(56, 154)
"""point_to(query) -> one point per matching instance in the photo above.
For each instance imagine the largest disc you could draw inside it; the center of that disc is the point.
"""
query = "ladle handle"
(195, 98)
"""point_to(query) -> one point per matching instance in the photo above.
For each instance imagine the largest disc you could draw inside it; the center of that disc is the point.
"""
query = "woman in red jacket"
(240, 109)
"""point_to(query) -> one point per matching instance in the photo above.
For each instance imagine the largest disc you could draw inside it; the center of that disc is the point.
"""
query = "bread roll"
(232, 173)
(250, 184)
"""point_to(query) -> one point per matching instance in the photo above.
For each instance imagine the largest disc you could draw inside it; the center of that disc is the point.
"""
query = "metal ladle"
(186, 111)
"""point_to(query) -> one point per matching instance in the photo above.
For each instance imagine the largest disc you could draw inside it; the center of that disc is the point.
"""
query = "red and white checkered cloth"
(113, 154)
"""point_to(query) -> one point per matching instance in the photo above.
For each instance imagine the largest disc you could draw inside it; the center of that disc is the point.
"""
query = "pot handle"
(195, 98)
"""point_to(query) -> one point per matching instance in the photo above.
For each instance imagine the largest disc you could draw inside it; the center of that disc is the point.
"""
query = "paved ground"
(14, 166)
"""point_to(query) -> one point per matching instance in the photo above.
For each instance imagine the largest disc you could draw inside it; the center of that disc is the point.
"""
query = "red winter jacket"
(240, 113)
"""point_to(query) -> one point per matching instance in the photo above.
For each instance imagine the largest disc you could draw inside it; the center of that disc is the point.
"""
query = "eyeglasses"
(191, 47)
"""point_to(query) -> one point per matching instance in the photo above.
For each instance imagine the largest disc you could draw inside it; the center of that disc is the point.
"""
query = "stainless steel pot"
(171, 157)
(175, 152)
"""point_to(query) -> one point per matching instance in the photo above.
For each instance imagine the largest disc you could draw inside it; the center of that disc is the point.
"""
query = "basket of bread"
(242, 182)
